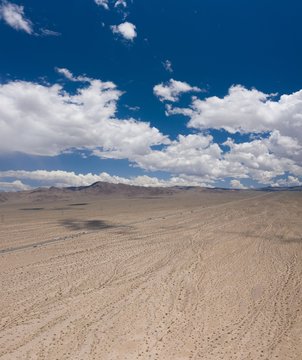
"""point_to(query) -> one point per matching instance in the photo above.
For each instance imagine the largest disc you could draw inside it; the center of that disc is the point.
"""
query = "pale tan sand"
(195, 275)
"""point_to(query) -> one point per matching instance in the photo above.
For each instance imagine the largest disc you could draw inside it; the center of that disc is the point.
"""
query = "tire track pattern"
(215, 283)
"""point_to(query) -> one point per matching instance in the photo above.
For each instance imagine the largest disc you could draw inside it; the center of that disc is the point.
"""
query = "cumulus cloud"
(46, 120)
(172, 90)
(61, 178)
(168, 66)
(289, 181)
(127, 30)
(41, 119)
(14, 16)
(16, 185)
(277, 121)
(198, 155)
(247, 111)
(192, 155)
(236, 184)
(287, 146)
(259, 162)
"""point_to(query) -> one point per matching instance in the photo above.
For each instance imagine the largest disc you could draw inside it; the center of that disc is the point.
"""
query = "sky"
(151, 93)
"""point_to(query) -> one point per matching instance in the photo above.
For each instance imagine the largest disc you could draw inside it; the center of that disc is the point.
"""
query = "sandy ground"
(188, 276)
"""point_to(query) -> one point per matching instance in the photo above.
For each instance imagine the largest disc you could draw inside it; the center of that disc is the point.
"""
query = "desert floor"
(189, 276)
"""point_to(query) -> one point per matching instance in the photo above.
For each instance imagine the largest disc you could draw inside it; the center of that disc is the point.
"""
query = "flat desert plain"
(191, 275)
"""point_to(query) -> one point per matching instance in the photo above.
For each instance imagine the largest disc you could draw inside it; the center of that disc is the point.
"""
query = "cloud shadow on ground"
(73, 224)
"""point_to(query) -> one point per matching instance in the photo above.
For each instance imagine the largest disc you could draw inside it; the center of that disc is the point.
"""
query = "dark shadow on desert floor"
(78, 204)
(85, 224)
(32, 209)
(60, 209)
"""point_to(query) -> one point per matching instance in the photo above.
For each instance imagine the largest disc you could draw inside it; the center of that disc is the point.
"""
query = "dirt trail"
(200, 279)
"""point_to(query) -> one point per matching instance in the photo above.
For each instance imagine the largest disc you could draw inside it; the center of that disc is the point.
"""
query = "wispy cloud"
(115, 3)
(172, 90)
(47, 32)
(168, 66)
(69, 76)
(103, 3)
(122, 3)
(14, 16)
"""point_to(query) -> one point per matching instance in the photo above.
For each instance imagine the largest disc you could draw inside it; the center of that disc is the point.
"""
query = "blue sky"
(150, 93)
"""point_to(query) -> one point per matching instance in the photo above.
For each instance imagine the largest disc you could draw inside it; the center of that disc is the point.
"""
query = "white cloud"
(65, 72)
(284, 146)
(127, 30)
(120, 6)
(193, 155)
(198, 155)
(172, 110)
(64, 178)
(236, 184)
(252, 111)
(46, 120)
(172, 90)
(103, 3)
(14, 16)
(69, 76)
(168, 66)
(289, 181)
(132, 108)
(61, 178)
(122, 3)
(259, 161)
(16, 185)
(47, 32)
(247, 111)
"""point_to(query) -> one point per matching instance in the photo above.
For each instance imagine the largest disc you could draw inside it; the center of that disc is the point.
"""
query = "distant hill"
(280, 188)
(121, 189)
(96, 189)
(105, 189)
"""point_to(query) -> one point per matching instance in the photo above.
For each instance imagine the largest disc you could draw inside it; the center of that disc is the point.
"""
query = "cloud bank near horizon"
(47, 120)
